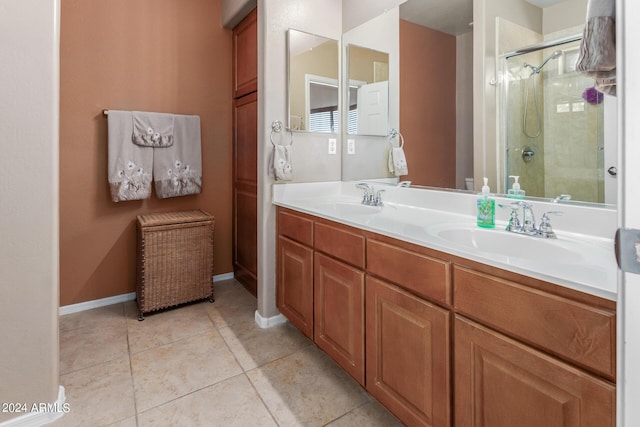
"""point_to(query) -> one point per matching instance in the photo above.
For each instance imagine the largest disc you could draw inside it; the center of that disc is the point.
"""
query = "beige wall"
(166, 56)
(563, 15)
(428, 104)
(29, 202)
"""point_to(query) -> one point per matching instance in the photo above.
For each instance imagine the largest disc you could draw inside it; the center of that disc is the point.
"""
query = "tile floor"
(203, 365)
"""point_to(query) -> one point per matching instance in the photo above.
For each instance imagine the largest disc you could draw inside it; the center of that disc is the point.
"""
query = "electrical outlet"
(332, 146)
(351, 146)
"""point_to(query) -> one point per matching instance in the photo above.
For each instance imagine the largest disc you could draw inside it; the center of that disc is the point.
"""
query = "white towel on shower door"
(177, 170)
(129, 165)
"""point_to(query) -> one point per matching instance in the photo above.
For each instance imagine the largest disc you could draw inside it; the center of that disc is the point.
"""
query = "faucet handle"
(378, 200)
(544, 229)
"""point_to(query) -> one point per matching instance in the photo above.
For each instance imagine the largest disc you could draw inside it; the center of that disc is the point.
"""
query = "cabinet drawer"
(577, 332)
(426, 276)
(295, 227)
(340, 243)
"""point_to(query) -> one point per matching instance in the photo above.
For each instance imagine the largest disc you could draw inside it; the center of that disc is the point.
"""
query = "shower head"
(536, 70)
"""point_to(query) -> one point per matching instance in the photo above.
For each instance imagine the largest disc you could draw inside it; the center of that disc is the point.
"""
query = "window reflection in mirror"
(368, 91)
(313, 82)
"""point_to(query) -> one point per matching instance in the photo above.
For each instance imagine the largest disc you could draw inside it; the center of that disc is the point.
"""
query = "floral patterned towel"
(153, 129)
(177, 170)
(282, 167)
(129, 164)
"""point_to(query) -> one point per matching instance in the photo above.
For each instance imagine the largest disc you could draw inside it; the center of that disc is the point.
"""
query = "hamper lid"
(165, 218)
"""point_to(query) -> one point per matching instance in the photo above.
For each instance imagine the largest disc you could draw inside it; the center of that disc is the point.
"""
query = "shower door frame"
(502, 117)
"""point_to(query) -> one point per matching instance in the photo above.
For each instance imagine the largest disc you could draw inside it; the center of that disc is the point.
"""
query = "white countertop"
(578, 261)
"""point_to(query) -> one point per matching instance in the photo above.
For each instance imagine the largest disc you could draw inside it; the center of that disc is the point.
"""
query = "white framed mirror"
(313, 82)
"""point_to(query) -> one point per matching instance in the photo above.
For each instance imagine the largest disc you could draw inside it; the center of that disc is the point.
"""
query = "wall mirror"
(437, 112)
(313, 82)
(368, 96)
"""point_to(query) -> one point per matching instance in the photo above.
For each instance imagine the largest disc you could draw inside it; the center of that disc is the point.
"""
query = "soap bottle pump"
(486, 207)
(515, 192)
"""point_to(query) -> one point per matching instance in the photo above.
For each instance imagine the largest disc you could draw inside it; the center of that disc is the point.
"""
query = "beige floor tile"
(129, 422)
(371, 414)
(232, 402)
(167, 326)
(234, 304)
(97, 317)
(254, 346)
(84, 347)
(306, 388)
(173, 370)
(99, 395)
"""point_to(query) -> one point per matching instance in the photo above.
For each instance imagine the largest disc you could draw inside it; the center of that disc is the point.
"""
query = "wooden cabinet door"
(245, 192)
(339, 313)
(407, 341)
(295, 284)
(245, 55)
(500, 382)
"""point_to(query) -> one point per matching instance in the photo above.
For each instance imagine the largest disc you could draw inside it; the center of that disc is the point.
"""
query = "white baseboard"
(96, 303)
(41, 417)
(268, 322)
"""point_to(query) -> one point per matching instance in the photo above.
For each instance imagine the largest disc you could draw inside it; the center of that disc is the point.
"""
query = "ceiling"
(448, 16)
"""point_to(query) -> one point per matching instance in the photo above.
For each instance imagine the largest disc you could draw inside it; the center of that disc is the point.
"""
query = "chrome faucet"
(371, 197)
(368, 193)
(404, 184)
(528, 224)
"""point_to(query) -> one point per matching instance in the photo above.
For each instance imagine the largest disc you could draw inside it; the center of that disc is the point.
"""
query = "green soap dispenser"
(515, 192)
(486, 207)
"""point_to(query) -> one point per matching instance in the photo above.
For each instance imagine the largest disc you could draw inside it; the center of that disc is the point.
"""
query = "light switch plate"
(351, 146)
(332, 146)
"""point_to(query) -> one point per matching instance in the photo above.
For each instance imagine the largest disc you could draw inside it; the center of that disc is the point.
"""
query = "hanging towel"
(129, 164)
(177, 170)
(153, 129)
(282, 162)
(397, 161)
(597, 57)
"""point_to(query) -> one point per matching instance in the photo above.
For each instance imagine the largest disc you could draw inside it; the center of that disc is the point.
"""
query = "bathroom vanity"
(444, 336)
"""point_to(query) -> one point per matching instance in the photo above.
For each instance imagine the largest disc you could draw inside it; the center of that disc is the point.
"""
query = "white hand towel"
(153, 129)
(177, 170)
(597, 57)
(282, 167)
(397, 162)
(129, 165)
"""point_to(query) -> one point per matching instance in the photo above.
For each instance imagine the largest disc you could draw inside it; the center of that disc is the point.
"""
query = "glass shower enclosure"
(553, 123)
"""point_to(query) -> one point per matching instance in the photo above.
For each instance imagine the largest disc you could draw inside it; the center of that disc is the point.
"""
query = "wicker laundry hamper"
(174, 259)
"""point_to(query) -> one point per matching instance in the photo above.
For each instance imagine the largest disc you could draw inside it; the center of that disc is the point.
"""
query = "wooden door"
(245, 192)
(294, 279)
(407, 342)
(339, 313)
(245, 149)
(245, 55)
(500, 382)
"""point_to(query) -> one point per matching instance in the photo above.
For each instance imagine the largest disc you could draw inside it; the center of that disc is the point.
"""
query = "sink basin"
(510, 245)
(348, 209)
